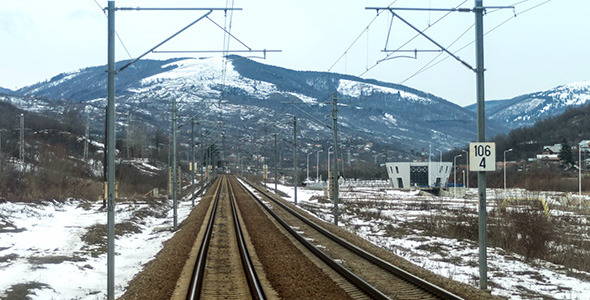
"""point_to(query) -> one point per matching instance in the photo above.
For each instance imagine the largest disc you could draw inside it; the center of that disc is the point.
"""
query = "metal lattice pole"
(481, 137)
(192, 168)
(276, 163)
(21, 146)
(86, 136)
(174, 167)
(335, 175)
(111, 154)
(295, 158)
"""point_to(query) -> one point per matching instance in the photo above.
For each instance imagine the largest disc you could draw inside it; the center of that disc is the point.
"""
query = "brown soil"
(292, 275)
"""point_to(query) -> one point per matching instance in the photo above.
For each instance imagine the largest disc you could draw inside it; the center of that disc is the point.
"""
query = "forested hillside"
(573, 126)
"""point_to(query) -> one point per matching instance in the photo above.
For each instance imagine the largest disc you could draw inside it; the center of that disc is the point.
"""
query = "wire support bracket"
(229, 33)
(456, 9)
(415, 51)
(217, 51)
(172, 8)
(434, 42)
(264, 51)
(163, 42)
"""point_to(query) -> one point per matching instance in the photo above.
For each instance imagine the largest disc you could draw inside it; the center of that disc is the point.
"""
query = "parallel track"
(420, 285)
(199, 273)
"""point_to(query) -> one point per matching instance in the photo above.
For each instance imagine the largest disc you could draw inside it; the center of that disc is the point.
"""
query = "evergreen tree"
(566, 153)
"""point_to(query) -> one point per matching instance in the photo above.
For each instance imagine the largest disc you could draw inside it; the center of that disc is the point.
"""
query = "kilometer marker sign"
(482, 157)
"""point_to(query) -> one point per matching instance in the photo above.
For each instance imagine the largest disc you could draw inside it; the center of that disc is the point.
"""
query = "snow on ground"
(509, 274)
(42, 244)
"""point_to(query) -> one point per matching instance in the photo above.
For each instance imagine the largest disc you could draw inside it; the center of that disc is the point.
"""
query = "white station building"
(418, 174)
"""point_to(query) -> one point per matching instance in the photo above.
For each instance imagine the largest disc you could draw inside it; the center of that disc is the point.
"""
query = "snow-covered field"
(43, 247)
(509, 275)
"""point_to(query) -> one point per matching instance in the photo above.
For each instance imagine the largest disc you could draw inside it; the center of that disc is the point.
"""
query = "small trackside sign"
(482, 157)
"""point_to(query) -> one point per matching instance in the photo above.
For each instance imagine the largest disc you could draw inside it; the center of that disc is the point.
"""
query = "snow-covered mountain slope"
(525, 110)
(6, 91)
(33, 104)
(249, 97)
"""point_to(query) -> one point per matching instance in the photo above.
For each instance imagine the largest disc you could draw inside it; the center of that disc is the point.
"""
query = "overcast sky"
(537, 50)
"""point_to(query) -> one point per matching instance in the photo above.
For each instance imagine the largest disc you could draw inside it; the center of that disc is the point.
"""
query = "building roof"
(554, 149)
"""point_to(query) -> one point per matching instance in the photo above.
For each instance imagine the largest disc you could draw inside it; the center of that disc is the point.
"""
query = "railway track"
(219, 273)
(295, 257)
(374, 276)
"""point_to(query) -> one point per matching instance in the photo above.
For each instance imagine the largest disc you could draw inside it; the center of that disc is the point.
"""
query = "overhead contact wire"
(426, 68)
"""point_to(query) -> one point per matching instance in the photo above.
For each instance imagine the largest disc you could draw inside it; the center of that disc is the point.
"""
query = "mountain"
(571, 126)
(6, 91)
(249, 99)
(527, 109)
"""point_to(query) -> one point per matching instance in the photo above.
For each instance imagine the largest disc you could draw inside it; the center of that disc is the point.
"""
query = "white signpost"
(482, 157)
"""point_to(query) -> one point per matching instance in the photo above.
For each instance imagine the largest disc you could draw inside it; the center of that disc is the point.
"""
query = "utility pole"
(481, 137)
(328, 169)
(105, 155)
(276, 163)
(467, 160)
(317, 169)
(295, 159)
(308, 154)
(110, 149)
(174, 175)
(579, 173)
(349, 160)
(455, 176)
(21, 145)
(429, 164)
(335, 127)
(265, 165)
(479, 10)
(192, 168)
(86, 136)
(110, 126)
(504, 167)
(128, 134)
(201, 144)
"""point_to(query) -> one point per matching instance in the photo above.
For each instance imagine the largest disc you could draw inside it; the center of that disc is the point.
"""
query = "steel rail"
(417, 281)
(253, 281)
(344, 272)
(198, 273)
(198, 277)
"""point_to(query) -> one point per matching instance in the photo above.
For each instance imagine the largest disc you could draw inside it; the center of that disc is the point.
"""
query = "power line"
(121, 41)
(349, 47)
(428, 66)
(409, 41)
(356, 39)
(399, 48)
(116, 33)
(437, 56)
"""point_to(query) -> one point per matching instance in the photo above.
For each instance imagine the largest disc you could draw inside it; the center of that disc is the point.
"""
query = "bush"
(525, 230)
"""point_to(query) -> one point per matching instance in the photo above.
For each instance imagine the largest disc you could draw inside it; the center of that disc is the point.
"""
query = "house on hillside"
(584, 148)
(584, 145)
(550, 153)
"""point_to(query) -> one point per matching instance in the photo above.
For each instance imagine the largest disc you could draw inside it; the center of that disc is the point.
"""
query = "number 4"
(482, 163)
